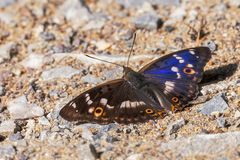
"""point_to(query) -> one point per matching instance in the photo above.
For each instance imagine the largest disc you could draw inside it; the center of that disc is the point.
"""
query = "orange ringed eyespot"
(98, 112)
(149, 111)
(175, 99)
(188, 70)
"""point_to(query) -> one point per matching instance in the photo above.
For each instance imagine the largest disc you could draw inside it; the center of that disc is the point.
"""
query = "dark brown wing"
(114, 101)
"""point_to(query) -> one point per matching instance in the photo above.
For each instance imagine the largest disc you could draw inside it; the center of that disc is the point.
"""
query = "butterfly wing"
(113, 101)
(175, 76)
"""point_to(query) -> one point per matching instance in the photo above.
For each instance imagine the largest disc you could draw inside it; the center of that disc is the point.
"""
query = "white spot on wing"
(122, 104)
(189, 65)
(127, 103)
(181, 61)
(90, 110)
(178, 57)
(74, 105)
(192, 52)
(168, 86)
(178, 76)
(89, 102)
(174, 69)
(103, 101)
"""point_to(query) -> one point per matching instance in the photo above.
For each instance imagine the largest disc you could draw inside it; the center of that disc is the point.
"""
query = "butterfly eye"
(149, 111)
(98, 112)
(188, 70)
(175, 99)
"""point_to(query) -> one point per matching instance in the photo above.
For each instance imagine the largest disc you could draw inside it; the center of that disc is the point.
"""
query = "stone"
(102, 45)
(216, 104)
(8, 151)
(221, 122)
(7, 51)
(7, 18)
(139, 3)
(61, 72)
(47, 36)
(7, 126)
(29, 129)
(178, 13)
(15, 136)
(61, 48)
(211, 45)
(85, 152)
(138, 156)
(237, 114)
(19, 108)
(44, 121)
(2, 90)
(174, 127)
(91, 79)
(97, 22)
(147, 21)
(87, 134)
(74, 11)
(235, 3)
(33, 61)
(5, 3)
(201, 145)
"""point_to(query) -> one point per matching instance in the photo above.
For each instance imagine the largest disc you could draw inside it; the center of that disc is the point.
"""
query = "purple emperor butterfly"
(165, 84)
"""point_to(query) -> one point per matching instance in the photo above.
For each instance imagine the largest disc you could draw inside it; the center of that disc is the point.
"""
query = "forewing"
(112, 101)
(175, 76)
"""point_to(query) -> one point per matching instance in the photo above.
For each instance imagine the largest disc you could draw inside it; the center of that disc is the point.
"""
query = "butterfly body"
(166, 84)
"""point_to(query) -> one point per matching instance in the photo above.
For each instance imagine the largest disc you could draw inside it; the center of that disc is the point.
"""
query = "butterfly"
(166, 84)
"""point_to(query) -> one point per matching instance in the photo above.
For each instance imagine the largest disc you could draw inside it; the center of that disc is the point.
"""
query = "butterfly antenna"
(134, 37)
(104, 60)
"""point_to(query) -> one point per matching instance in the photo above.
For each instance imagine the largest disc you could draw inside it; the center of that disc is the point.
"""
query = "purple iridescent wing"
(175, 76)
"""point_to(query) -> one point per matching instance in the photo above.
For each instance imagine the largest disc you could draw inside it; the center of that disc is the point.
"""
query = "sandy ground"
(42, 66)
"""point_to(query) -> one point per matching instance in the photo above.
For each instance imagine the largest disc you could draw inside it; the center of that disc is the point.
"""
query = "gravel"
(43, 64)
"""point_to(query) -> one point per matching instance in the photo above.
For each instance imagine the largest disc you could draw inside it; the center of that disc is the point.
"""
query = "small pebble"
(47, 36)
(75, 12)
(61, 72)
(7, 51)
(2, 91)
(85, 152)
(174, 127)
(5, 3)
(148, 21)
(7, 151)
(19, 108)
(169, 28)
(91, 79)
(44, 121)
(138, 156)
(222, 123)
(33, 61)
(7, 126)
(216, 104)
(60, 48)
(103, 45)
(15, 136)
(237, 114)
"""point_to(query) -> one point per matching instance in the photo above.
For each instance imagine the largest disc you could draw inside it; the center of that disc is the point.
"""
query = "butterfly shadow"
(218, 74)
